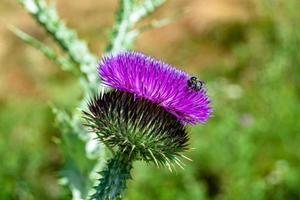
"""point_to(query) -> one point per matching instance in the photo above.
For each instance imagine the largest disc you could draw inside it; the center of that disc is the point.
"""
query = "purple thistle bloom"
(156, 81)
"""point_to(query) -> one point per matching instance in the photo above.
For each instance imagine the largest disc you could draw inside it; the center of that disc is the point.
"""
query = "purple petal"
(157, 81)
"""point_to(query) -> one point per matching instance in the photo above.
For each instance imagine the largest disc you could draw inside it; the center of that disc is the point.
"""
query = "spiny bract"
(137, 127)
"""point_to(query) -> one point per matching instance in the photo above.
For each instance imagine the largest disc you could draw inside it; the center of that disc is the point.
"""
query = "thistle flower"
(136, 129)
(156, 81)
(144, 116)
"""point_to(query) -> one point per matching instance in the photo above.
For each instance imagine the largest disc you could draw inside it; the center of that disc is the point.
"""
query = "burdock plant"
(142, 117)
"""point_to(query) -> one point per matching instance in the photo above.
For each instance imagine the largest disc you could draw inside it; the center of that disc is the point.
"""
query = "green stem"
(114, 177)
(128, 15)
(121, 27)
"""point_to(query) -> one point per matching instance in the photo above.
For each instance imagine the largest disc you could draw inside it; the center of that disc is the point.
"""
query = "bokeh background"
(247, 51)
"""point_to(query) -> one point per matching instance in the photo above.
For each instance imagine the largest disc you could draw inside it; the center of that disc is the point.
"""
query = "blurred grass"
(249, 149)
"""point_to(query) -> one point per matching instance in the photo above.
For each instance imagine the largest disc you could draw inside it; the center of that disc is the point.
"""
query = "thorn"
(168, 162)
(108, 138)
(153, 157)
(178, 164)
(125, 141)
(169, 166)
(183, 156)
(182, 163)
(132, 148)
(124, 149)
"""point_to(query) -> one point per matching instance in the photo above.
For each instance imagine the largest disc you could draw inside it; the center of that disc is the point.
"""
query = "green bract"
(136, 127)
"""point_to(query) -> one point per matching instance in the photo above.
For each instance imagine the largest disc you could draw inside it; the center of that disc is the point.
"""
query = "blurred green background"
(247, 51)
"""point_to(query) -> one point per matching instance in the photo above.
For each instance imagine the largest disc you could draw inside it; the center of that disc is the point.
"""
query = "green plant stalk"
(114, 178)
(128, 15)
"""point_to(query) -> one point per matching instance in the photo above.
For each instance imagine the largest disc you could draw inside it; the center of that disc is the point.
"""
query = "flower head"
(137, 127)
(156, 81)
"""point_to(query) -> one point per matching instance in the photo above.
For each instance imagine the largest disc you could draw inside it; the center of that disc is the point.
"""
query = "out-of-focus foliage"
(249, 149)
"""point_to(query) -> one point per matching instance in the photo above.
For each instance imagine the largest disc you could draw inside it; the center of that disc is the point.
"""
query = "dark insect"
(195, 84)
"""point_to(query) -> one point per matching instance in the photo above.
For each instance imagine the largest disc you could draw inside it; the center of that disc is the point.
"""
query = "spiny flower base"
(142, 129)
(136, 129)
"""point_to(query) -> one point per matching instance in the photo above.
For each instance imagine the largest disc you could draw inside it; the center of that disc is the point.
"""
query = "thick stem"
(114, 177)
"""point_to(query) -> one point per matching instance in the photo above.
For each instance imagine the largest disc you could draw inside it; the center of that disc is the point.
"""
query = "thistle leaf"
(65, 63)
(67, 39)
